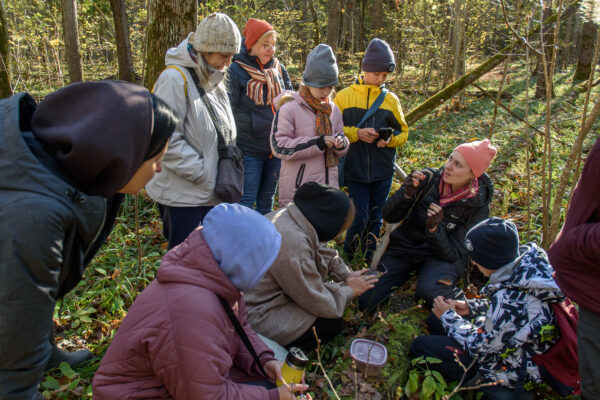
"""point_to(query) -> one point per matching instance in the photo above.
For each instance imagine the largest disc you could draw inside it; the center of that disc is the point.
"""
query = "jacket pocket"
(300, 175)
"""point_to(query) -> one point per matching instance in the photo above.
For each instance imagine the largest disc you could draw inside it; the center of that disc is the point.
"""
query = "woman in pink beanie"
(437, 207)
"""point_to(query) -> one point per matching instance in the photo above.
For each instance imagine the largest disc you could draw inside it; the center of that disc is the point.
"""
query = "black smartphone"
(385, 133)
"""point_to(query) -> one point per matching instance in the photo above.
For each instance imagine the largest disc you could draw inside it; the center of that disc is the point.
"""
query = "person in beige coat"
(308, 285)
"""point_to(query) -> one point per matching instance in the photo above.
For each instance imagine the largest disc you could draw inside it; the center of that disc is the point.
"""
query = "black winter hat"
(325, 207)
(493, 243)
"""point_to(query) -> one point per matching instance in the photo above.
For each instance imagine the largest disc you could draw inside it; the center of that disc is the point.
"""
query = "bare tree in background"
(377, 16)
(5, 90)
(547, 38)
(71, 38)
(169, 23)
(586, 51)
(122, 37)
(333, 21)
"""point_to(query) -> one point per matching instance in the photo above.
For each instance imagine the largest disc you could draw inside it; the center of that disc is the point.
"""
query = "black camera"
(385, 133)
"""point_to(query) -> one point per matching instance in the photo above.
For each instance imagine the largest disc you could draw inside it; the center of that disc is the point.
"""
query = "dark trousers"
(26, 306)
(588, 348)
(326, 329)
(439, 345)
(261, 175)
(368, 199)
(431, 271)
(179, 222)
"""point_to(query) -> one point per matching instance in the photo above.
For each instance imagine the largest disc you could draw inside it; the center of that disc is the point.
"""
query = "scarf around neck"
(259, 78)
(323, 123)
(447, 197)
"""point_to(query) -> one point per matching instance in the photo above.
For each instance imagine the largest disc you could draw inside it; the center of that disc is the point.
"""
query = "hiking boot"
(73, 359)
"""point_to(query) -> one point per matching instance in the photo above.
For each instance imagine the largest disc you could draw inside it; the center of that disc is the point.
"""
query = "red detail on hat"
(478, 154)
(254, 29)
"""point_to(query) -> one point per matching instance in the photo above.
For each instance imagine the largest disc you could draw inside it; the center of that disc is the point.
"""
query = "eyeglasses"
(268, 46)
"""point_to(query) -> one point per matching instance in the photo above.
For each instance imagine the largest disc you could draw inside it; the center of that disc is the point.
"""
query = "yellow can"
(293, 367)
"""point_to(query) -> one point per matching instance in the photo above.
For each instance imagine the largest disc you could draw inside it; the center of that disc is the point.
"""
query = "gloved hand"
(435, 214)
(412, 182)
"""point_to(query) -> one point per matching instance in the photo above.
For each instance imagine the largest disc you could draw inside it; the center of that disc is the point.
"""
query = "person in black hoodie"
(437, 208)
(256, 77)
(64, 167)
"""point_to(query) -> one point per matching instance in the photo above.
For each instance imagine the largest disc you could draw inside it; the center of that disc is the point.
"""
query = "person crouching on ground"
(177, 340)
(510, 323)
(437, 208)
(296, 294)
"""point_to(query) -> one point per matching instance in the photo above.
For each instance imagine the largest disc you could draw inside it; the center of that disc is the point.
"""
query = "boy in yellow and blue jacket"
(369, 164)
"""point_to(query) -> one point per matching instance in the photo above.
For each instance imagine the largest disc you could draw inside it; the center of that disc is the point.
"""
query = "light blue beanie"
(321, 68)
(244, 243)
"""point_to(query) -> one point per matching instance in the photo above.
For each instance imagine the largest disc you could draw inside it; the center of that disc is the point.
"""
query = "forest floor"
(90, 315)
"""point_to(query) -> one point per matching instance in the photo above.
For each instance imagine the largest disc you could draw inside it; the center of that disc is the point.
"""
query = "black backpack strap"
(242, 334)
(220, 139)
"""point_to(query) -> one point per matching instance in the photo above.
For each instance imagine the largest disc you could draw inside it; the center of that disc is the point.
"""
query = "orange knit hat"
(254, 29)
(478, 154)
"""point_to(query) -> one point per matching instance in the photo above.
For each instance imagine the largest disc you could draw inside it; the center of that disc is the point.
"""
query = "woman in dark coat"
(64, 167)
(256, 77)
(438, 208)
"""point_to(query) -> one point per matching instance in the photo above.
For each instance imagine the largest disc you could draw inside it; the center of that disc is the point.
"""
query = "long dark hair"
(165, 122)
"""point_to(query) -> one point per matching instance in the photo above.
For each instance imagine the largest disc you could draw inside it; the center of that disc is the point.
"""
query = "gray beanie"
(216, 33)
(321, 68)
(378, 57)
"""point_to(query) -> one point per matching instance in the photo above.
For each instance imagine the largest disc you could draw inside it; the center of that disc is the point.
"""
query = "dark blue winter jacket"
(253, 122)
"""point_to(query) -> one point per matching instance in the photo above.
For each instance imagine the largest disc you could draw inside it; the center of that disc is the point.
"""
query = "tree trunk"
(586, 52)
(449, 91)
(315, 17)
(122, 37)
(377, 17)
(565, 50)
(71, 38)
(333, 21)
(170, 22)
(547, 38)
(457, 39)
(5, 89)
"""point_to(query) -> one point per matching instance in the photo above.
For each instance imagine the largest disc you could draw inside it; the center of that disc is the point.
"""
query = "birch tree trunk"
(122, 38)
(71, 39)
(170, 21)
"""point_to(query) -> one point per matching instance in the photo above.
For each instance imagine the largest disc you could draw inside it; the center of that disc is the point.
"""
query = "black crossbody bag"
(230, 169)
(242, 334)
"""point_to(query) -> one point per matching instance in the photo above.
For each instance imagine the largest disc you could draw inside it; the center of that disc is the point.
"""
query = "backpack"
(561, 361)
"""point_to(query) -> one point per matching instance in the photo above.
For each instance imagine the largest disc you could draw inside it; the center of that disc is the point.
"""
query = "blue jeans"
(260, 181)
(368, 199)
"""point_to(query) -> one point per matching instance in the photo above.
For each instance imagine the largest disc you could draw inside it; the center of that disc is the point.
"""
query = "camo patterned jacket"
(513, 313)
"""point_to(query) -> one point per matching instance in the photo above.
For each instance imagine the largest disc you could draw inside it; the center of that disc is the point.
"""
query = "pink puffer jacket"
(293, 140)
(177, 342)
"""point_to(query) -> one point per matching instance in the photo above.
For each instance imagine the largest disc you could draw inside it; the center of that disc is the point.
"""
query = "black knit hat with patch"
(493, 243)
(325, 207)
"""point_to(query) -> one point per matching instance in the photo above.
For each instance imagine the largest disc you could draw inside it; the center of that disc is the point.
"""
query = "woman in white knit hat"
(185, 191)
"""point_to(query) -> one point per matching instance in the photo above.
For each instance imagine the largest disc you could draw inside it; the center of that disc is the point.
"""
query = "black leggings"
(326, 330)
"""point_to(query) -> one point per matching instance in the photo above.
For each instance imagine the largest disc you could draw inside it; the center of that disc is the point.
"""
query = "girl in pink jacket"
(308, 131)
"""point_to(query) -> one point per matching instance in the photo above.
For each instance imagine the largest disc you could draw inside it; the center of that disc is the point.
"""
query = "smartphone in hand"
(385, 133)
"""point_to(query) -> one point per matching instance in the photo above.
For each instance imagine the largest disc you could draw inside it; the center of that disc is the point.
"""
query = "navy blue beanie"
(493, 243)
(378, 57)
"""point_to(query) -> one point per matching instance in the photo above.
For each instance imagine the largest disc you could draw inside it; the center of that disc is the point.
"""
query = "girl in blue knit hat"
(374, 123)
(511, 322)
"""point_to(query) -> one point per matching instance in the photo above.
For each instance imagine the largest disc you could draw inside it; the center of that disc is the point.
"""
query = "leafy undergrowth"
(90, 315)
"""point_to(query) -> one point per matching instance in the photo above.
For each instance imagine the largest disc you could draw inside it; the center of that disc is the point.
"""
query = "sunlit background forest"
(518, 72)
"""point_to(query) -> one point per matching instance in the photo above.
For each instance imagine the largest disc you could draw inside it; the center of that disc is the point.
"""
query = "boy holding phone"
(369, 165)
